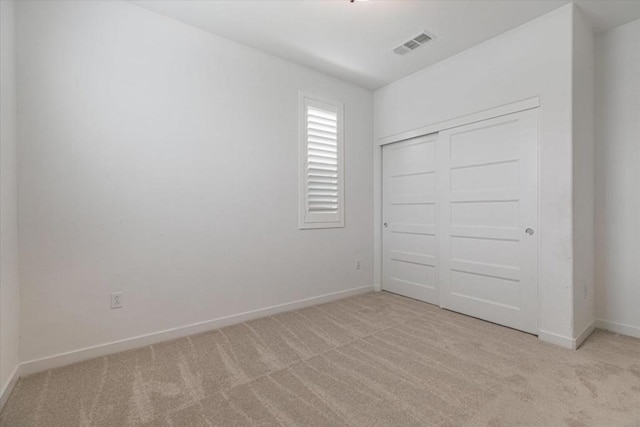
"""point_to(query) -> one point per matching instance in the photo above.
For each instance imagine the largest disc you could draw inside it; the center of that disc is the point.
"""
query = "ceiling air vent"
(413, 43)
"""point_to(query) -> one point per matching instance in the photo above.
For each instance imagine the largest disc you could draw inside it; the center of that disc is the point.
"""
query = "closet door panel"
(409, 243)
(487, 198)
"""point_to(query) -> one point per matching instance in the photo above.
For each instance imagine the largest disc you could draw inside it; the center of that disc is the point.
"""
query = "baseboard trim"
(8, 387)
(566, 342)
(577, 342)
(63, 359)
(560, 340)
(618, 328)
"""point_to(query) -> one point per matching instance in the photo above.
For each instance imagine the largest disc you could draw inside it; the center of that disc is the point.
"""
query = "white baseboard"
(577, 342)
(63, 359)
(567, 342)
(7, 387)
(556, 339)
(377, 288)
(618, 328)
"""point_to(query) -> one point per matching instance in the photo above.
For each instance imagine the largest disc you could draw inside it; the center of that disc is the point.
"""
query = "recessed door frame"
(502, 110)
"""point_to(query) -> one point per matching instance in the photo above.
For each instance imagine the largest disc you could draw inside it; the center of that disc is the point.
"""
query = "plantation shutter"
(321, 176)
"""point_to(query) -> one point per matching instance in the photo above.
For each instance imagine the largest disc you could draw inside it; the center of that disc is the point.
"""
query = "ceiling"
(355, 41)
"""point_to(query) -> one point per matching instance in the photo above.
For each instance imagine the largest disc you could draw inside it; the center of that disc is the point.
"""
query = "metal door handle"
(529, 231)
(385, 224)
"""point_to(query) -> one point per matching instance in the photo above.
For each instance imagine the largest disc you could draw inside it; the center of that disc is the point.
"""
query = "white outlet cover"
(116, 300)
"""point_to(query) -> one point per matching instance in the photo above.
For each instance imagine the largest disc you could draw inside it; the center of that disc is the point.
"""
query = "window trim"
(306, 100)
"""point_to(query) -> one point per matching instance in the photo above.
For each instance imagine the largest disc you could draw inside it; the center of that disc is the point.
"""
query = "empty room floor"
(375, 359)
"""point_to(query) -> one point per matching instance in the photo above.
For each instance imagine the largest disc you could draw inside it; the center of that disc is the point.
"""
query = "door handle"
(529, 231)
(386, 224)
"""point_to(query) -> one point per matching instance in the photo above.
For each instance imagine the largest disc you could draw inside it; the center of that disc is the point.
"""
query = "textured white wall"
(9, 291)
(583, 174)
(532, 60)
(159, 160)
(618, 178)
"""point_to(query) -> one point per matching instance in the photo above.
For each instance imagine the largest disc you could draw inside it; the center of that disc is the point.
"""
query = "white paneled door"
(489, 213)
(477, 212)
(409, 212)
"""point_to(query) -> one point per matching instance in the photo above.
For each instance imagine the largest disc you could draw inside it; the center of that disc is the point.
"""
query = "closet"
(460, 214)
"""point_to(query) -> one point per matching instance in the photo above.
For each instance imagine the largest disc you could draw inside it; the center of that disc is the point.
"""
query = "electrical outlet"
(357, 264)
(116, 300)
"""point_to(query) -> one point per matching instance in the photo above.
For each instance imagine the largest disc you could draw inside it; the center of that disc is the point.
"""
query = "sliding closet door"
(409, 265)
(487, 192)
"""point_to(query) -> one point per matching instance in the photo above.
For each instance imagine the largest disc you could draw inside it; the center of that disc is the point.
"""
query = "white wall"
(9, 291)
(583, 176)
(162, 161)
(618, 178)
(532, 60)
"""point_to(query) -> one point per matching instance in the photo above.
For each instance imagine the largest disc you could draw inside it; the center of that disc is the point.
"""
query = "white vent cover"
(413, 43)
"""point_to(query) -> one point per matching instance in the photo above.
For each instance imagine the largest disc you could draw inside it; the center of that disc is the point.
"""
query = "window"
(321, 163)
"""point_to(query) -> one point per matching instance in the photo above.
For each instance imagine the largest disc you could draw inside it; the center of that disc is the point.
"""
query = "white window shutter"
(321, 168)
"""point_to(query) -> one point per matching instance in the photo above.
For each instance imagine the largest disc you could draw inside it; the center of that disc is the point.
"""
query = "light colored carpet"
(372, 360)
